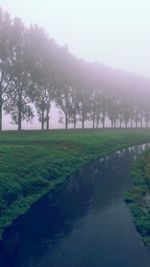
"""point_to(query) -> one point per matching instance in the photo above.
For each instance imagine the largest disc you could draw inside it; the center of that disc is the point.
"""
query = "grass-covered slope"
(139, 196)
(34, 162)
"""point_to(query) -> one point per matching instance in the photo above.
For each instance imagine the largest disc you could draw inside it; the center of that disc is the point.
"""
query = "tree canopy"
(35, 72)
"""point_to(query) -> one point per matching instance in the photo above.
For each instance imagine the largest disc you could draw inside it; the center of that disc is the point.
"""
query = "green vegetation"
(139, 197)
(34, 162)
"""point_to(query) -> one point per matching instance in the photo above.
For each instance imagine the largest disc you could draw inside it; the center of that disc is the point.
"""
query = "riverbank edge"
(137, 197)
(22, 205)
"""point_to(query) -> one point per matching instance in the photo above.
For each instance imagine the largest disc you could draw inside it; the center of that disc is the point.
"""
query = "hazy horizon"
(114, 33)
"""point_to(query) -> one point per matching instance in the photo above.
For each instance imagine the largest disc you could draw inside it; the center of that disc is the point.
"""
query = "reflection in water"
(83, 222)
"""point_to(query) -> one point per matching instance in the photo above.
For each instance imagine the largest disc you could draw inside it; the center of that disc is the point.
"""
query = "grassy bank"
(139, 196)
(34, 162)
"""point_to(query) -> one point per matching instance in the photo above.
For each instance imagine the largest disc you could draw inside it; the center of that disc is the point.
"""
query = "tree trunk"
(74, 124)
(19, 121)
(97, 123)
(97, 120)
(42, 120)
(1, 104)
(112, 124)
(103, 121)
(47, 118)
(83, 122)
(136, 124)
(74, 120)
(66, 121)
(141, 121)
(20, 112)
(120, 124)
(47, 123)
(83, 118)
(93, 120)
(1, 112)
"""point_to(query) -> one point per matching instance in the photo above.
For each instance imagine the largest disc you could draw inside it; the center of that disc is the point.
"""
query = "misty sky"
(114, 32)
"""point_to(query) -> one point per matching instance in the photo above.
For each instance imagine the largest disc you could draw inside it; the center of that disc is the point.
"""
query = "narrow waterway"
(83, 223)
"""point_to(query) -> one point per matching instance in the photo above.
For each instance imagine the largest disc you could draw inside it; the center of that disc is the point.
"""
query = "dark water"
(83, 223)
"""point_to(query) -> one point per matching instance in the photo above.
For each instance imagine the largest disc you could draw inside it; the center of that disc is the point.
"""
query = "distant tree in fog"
(35, 71)
(18, 103)
(43, 68)
(5, 55)
(66, 87)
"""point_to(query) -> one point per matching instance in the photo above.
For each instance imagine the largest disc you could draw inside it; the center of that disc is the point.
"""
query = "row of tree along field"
(35, 71)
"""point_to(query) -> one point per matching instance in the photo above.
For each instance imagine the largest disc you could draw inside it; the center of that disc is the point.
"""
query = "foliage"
(34, 162)
(35, 71)
(139, 197)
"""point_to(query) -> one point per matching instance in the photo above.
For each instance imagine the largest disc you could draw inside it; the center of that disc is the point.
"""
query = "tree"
(18, 104)
(44, 71)
(84, 91)
(126, 112)
(112, 111)
(66, 87)
(5, 55)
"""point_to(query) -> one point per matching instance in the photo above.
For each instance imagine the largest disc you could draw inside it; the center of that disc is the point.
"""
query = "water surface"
(83, 223)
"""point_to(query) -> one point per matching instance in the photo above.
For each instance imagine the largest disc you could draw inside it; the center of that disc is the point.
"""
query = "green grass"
(137, 197)
(34, 162)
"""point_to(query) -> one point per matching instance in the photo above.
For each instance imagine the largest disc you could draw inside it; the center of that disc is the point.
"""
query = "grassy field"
(139, 197)
(34, 162)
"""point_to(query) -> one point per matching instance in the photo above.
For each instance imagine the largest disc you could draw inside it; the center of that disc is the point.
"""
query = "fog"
(113, 32)
(7, 122)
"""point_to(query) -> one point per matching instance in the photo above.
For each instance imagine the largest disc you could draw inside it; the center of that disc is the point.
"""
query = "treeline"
(35, 72)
